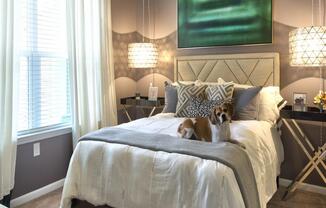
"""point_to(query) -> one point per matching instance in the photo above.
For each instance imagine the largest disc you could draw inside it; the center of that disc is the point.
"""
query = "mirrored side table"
(142, 103)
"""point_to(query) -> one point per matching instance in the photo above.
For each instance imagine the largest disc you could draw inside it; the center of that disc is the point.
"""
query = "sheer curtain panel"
(8, 95)
(90, 55)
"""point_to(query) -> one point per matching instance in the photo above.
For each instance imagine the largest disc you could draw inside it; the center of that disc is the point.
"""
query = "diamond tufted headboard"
(258, 69)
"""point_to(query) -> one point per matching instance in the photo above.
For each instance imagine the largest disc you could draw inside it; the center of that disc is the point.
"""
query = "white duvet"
(129, 177)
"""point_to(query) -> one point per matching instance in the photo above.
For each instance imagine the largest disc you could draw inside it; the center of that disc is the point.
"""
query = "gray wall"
(287, 15)
(50, 166)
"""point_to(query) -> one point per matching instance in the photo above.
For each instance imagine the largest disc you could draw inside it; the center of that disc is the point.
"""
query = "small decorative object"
(137, 96)
(152, 92)
(320, 100)
(299, 101)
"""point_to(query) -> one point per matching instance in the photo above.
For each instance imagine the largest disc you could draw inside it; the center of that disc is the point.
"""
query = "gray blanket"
(226, 153)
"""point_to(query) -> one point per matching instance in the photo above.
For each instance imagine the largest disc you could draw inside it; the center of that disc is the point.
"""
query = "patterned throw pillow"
(220, 92)
(185, 92)
(199, 107)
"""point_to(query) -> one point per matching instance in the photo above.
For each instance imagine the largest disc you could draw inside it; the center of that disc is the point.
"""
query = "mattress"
(125, 176)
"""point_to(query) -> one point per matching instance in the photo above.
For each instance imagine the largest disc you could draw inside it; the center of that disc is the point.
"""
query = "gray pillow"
(246, 103)
(171, 98)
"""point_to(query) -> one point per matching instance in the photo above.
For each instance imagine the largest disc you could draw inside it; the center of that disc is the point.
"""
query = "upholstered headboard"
(258, 69)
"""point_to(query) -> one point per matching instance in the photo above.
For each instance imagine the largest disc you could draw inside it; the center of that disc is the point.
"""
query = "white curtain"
(8, 96)
(91, 59)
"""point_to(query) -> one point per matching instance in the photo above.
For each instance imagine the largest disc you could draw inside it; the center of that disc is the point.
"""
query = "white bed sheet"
(124, 176)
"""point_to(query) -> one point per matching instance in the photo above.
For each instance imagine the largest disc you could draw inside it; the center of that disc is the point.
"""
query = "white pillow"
(275, 92)
(196, 83)
(199, 82)
(236, 85)
(270, 102)
(267, 110)
(182, 82)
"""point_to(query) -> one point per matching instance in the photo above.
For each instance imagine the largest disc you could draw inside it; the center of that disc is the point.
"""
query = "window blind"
(44, 87)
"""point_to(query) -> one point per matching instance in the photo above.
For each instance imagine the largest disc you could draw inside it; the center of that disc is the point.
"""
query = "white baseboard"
(305, 186)
(37, 193)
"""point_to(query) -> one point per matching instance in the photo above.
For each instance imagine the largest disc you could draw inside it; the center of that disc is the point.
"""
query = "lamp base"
(152, 93)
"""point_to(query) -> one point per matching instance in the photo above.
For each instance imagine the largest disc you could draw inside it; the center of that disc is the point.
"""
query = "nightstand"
(142, 103)
(317, 155)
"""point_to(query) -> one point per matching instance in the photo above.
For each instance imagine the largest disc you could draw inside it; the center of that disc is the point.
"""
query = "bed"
(126, 175)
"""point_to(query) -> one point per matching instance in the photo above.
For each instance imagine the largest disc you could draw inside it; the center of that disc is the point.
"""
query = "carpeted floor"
(299, 199)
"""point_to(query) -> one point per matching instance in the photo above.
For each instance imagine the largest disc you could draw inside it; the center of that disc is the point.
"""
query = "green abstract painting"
(204, 23)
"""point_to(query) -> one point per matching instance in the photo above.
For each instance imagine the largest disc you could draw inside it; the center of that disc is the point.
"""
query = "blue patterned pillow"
(199, 107)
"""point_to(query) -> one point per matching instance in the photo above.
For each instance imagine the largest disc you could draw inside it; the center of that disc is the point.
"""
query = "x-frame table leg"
(317, 159)
(152, 111)
(318, 152)
(126, 112)
(313, 161)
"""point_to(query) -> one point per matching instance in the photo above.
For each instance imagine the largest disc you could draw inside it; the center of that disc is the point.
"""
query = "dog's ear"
(181, 131)
(230, 108)
(212, 117)
(180, 128)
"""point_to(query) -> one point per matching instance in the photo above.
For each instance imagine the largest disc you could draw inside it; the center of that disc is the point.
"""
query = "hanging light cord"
(154, 29)
(149, 19)
(320, 14)
(154, 36)
(143, 21)
(149, 32)
(323, 23)
(312, 12)
(322, 87)
(322, 17)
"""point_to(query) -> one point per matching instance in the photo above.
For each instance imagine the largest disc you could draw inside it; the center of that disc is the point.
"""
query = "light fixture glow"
(142, 55)
(307, 46)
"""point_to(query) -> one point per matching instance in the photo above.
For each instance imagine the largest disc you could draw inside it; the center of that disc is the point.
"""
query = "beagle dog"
(215, 128)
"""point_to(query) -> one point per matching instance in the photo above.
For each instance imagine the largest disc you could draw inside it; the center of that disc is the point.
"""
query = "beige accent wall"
(124, 16)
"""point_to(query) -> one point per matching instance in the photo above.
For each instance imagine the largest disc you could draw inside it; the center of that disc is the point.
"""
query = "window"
(44, 87)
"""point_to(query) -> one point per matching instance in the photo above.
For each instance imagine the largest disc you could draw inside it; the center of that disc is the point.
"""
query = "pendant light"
(307, 45)
(142, 55)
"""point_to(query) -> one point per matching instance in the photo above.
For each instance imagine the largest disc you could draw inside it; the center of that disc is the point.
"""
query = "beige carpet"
(299, 199)
(51, 200)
